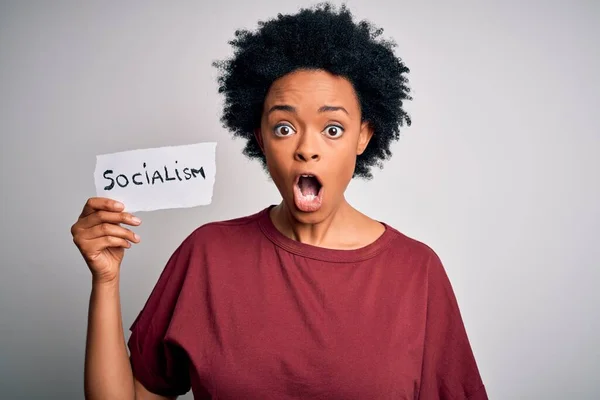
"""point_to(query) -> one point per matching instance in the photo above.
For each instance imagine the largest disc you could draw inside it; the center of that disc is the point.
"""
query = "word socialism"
(138, 178)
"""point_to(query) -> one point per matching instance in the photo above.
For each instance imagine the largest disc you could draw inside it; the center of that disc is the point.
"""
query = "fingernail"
(119, 205)
(136, 236)
(136, 220)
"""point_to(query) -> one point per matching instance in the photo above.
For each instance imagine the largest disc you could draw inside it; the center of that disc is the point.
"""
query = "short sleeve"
(449, 369)
(159, 365)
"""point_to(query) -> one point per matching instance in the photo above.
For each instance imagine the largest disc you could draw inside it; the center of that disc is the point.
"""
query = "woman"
(309, 299)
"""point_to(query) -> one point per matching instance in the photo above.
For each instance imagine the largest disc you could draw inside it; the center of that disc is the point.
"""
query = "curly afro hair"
(319, 38)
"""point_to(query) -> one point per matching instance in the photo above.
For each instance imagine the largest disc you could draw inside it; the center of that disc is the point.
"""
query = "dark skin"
(302, 136)
(312, 122)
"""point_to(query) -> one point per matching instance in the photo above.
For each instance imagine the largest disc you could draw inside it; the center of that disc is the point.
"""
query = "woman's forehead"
(318, 88)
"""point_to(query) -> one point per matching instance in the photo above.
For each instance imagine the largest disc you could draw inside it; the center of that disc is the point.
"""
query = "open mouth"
(308, 193)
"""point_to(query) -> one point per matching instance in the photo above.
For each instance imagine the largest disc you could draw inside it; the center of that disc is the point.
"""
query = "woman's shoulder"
(231, 223)
(410, 246)
(225, 229)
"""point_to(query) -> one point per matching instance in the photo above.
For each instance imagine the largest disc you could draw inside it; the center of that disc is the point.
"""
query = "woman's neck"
(342, 228)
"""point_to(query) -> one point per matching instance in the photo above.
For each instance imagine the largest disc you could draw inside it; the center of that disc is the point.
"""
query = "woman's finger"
(107, 229)
(101, 203)
(100, 217)
(92, 247)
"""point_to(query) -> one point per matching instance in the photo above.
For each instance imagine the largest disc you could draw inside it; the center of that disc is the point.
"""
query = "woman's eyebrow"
(333, 108)
(292, 109)
(282, 107)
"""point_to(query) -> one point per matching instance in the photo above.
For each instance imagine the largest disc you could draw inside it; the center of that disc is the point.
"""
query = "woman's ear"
(364, 137)
(258, 136)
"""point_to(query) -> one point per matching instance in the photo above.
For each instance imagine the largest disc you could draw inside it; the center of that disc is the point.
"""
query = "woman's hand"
(101, 239)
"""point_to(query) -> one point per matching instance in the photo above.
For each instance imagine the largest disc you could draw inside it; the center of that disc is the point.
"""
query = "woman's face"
(311, 134)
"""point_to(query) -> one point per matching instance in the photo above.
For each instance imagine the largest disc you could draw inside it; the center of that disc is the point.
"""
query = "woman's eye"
(334, 131)
(283, 130)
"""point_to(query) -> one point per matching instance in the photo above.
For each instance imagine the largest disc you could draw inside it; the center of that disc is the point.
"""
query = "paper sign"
(158, 178)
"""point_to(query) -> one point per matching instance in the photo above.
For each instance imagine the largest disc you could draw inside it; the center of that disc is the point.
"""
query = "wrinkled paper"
(158, 178)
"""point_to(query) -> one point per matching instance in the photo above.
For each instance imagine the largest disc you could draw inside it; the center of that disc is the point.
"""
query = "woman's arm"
(100, 237)
(108, 373)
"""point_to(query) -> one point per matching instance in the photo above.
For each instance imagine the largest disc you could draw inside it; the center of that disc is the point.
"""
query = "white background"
(499, 172)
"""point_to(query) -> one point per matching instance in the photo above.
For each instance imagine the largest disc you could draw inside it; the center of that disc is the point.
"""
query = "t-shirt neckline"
(320, 253)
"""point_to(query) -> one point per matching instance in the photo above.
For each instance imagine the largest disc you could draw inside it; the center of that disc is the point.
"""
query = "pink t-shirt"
(243, 312)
